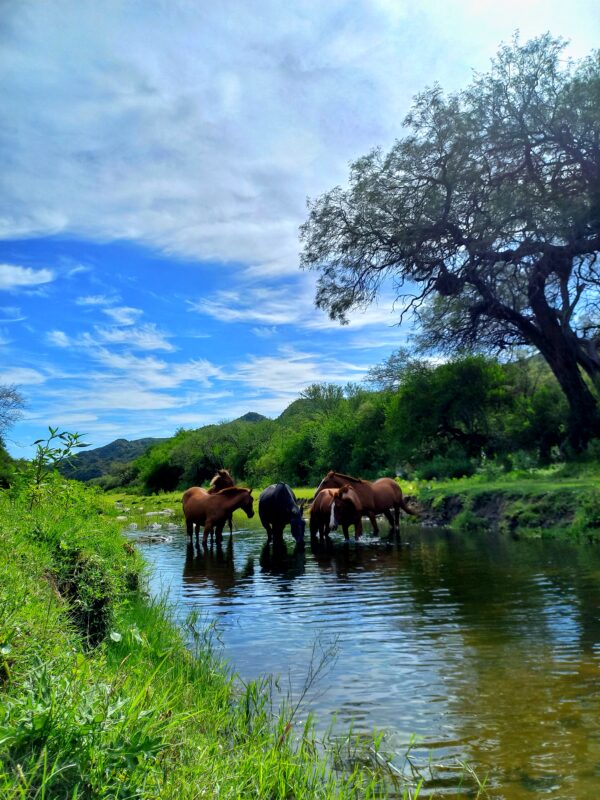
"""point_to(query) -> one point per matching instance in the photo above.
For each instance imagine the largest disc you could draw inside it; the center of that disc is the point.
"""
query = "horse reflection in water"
(283, 564)
(214, 567)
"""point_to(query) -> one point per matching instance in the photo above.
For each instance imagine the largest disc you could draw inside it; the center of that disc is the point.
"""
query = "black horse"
(277, 506)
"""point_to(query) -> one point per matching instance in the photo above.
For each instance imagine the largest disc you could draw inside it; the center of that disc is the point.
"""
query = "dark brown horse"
(213, 510)
(377, 497)
(222, 480)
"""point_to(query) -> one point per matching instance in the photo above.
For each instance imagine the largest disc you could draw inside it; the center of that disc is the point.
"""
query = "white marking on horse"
(333, 523)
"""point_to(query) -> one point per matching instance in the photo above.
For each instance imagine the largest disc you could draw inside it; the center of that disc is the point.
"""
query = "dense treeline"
(413, 418)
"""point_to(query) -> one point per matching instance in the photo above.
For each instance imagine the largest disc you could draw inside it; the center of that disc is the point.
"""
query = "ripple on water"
(487, 649)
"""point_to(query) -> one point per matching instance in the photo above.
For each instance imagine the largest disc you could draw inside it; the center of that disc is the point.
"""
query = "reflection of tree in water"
(214, 566)
(285, 565)
(525, 620)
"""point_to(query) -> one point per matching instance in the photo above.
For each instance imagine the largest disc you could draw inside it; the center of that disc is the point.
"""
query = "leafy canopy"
(485, 216)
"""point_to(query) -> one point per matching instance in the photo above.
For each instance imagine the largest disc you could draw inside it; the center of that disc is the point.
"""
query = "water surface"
(486, 648)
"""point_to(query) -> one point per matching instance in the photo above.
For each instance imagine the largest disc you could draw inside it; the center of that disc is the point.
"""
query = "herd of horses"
(339, 500)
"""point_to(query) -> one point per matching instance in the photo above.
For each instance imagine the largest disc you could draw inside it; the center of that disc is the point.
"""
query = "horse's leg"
(388, 515)
(345, 529)
(189, 526)
(230, 521)
(358, 528)
(373, 519)
(208, 528)
(219, 533)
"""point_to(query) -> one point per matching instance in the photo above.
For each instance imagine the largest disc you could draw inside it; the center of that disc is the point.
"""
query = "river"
(485, 648)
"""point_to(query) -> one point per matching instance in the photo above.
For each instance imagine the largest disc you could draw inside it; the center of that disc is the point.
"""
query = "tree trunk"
(584, 418)
(561, 352)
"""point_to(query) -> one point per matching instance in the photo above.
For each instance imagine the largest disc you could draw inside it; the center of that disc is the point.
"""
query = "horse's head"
(344, 500)
(221, 480)
(330, 481)
(247, 503)
(298, 525)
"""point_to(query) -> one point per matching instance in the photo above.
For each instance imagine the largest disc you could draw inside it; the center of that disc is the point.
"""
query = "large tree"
(485, 217)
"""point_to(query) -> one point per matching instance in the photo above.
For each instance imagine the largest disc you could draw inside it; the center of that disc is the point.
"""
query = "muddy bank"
(528, 510)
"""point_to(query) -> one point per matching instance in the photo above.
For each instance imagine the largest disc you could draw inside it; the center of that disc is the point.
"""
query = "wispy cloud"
(21, 376)
(123, 315)
(178, 86)
(142, 337)
(14, 277)
(289, 304)
(11, 314)
(95, 300)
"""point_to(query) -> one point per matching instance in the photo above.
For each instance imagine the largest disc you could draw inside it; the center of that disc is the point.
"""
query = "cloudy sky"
(156, 157)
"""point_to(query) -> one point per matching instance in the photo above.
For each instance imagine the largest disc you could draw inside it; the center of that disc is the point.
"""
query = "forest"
(411, 418)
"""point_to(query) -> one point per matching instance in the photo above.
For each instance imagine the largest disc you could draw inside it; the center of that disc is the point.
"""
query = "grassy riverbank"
(100, 695)
(558, 501)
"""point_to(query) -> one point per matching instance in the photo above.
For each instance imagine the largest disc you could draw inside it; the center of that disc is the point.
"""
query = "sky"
(155, 161)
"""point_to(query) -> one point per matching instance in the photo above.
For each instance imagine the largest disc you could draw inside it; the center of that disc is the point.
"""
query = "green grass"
(557, 501)
(102, 697)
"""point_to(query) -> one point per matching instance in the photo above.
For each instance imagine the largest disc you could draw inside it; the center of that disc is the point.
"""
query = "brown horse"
(376, 497)
(320, 513)
(222, 480)
(346, 510)
(213, 510)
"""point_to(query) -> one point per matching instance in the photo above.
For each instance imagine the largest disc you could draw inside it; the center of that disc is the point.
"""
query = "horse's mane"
(348, 477)
(232, 489)
(220, 473)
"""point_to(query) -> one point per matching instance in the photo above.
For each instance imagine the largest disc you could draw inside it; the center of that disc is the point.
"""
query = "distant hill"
(89, 464)
(251, 416)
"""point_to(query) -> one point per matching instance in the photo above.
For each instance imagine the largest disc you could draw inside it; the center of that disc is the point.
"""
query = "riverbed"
(484, 648)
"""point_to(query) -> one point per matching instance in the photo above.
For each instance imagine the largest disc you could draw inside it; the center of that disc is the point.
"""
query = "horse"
(376, 497)
(213, 510)
(320, 513)
(278, 506)
(346, 510)
(222, 480)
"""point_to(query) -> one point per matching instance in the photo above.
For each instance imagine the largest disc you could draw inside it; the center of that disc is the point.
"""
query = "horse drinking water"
(376, 497)
(213, 510)
(278, 507)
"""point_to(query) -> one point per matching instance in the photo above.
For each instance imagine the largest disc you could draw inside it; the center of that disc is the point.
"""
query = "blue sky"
(155, 163)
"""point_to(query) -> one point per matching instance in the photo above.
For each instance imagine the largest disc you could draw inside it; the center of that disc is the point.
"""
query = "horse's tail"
(407, 508)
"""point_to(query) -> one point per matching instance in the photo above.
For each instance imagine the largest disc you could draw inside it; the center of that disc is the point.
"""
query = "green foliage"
(140, 715)
(430, 421)
(58, 447)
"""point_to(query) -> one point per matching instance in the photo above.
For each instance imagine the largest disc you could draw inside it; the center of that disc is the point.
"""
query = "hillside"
(98, 461)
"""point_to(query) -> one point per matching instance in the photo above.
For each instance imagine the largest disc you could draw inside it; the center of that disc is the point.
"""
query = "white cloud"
(123, 315)
(265, 332)
(201, 128)
(11, 314)
(21, 376)
(288, 304)
(95, 300)
(14, 277)
(287, 374)
(58, 339)
(142, 337)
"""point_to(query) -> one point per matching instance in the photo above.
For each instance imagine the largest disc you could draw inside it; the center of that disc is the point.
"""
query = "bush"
(445, 466)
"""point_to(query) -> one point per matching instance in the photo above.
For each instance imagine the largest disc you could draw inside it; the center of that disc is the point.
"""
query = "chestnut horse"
(376, 497)
(213, 510)
(222, 480)
(346, 510)
(320, 514)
